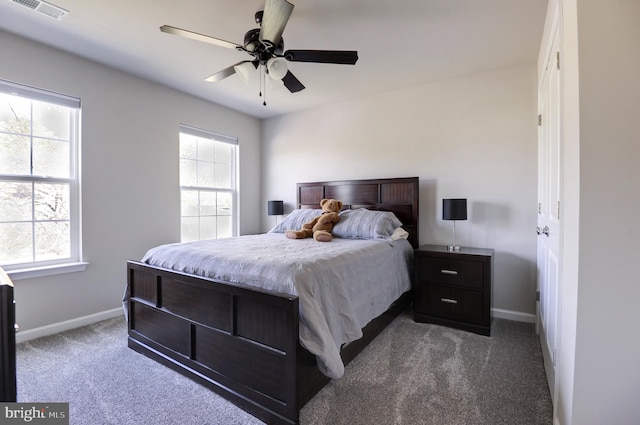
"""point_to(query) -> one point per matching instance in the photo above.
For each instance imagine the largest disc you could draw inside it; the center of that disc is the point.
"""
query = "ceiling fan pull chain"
(264, 102)
(263, 85)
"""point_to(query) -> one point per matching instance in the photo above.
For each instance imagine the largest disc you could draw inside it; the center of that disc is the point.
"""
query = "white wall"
(598, 377)
(472, 137)
(130, 192)
(607, 354)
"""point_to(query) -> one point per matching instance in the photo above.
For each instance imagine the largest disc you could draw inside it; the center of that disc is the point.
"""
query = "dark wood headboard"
(398, 195)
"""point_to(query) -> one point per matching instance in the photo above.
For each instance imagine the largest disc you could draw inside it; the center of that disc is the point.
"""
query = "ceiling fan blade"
(292, 83)
(200, 37)
(344, 57)
(227, 72)
(274, 20)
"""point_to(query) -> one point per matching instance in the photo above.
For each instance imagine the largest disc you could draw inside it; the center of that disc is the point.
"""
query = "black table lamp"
(454, 209)
(275, 208)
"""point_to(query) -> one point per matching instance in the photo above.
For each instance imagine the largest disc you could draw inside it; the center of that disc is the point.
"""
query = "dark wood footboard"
(241, 343)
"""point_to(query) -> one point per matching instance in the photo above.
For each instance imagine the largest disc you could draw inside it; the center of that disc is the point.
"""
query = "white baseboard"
(513, 315)
(55, 328)
(22, 336)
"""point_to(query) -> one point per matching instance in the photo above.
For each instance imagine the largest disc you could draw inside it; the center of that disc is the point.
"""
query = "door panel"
(549, 213)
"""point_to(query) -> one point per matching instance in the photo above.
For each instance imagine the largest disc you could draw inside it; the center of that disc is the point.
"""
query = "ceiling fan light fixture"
(277, 68)
(244, 70)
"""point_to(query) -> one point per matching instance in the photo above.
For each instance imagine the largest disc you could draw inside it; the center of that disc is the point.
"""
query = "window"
(39, 178)
(207, 184)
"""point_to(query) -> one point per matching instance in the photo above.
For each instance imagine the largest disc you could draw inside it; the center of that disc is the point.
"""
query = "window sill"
(30, 273)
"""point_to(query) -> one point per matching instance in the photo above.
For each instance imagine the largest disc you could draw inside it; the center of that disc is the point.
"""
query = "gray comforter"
(341, 285)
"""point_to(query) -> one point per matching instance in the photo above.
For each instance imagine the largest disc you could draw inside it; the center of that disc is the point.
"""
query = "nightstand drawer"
(450, 303)
(452, 271)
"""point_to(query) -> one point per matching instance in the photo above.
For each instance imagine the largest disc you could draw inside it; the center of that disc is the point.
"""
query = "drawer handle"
(448, 272)
(448, 301)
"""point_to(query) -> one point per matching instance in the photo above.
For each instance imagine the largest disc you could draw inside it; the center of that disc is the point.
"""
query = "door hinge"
(558, 60)
(555, 353)
(537, 295)
(539, 207)
(558, 210)
(539, 119)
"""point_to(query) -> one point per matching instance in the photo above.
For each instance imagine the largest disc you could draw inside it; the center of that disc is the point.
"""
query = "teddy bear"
(321, 226)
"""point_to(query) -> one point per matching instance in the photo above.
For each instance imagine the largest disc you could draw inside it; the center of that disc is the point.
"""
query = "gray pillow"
(296, 219)
(366, 224)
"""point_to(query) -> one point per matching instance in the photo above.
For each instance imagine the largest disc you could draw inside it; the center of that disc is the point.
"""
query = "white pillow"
(296, 219)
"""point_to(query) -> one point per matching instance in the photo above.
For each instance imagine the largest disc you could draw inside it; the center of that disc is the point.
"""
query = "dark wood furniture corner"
(8, 391)
(454, 288)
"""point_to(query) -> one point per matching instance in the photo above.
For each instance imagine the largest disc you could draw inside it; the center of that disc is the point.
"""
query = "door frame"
(553, 45)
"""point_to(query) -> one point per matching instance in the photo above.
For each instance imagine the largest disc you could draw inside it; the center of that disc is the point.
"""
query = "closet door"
(8, 340)
(549, 211)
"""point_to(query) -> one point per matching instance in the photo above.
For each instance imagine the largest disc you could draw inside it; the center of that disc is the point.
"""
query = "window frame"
(74, 262)
(233, 190)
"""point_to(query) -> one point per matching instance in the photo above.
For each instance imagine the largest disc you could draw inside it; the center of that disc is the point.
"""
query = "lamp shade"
(277, 68)
(275, 207)
(454, 209)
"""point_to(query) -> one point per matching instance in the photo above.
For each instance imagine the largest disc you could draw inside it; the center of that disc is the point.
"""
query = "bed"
(249, 344)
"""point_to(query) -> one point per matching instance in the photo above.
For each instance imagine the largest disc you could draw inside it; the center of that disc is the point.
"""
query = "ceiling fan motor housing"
(258, 16)
(251, 40)
(261, 50)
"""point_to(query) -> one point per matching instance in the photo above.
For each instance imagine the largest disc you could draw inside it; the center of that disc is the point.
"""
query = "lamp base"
(454, 248)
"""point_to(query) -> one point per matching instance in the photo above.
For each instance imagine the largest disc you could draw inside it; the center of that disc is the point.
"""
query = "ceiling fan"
(266, 45)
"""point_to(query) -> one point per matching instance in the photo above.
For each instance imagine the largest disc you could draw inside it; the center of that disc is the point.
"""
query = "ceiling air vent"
(44, 8)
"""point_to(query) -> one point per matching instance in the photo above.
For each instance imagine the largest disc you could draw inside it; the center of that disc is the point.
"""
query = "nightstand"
(453, 288)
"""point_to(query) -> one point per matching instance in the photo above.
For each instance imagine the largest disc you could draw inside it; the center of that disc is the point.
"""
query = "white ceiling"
(400, 43)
